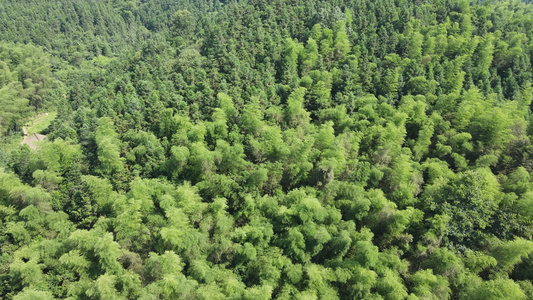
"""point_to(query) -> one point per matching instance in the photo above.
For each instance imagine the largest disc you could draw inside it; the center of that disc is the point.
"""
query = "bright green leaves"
(25, 82)
(29, 294)
(504, 289)
(309, 56)
(164, 271)
(315, 150)
(391, 286)
(414, 40)
(290, 62)
(341, 46)
(484, 57)
(13, 192)
(295, 113)
(510, 253)
(108, 147)
(426, 285)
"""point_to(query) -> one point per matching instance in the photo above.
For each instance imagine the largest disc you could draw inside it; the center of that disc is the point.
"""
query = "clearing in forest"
(34, 127)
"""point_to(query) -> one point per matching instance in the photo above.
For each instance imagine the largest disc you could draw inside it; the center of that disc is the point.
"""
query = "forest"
(254, 149)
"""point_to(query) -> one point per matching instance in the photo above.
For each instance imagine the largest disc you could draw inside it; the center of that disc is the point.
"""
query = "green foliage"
(25, 84)
(426, 285)
(496, 289)
(258, 150)
(471, 199)
(511, 253)
(108, 147)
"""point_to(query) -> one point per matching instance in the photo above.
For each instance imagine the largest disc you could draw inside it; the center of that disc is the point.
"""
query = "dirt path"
(32, 139)
(31, 122)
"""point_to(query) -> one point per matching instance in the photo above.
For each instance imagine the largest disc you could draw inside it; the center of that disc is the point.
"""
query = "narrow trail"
(31, 122)
(30, 140)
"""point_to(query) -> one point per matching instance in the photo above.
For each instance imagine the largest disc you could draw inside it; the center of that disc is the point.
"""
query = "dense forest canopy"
(282, 149)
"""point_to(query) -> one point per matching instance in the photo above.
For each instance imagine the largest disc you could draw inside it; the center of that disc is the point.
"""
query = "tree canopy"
(267, 149)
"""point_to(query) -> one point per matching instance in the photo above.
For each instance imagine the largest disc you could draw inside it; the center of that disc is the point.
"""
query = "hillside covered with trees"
(282, 149)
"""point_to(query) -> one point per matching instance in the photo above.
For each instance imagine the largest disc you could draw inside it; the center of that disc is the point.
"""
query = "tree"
(428, 285)
(108, 147)
(295, 113)
(511, 253)
(182, 26)
(470, 199)
(495, 289)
